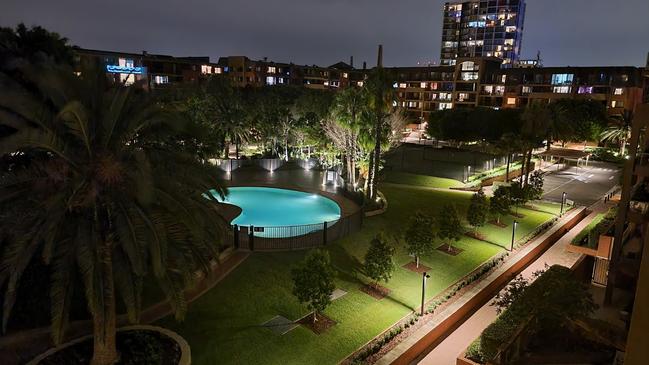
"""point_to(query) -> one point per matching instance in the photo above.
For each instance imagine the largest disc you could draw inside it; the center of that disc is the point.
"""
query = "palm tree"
(105, 197)
(347, 114)
(619, 130)
(380, 103)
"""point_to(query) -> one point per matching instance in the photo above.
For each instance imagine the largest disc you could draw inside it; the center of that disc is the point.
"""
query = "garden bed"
(375, 291)
(320, 326)
(449, 249)
(136, 346)
(497, 224)
(412, 266)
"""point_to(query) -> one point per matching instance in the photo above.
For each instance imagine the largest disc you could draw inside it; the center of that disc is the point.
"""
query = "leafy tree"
(378, 260)
(107, 198)
(313, 281)
(500, 202)
(345, 127)
(450, 225)
(519, 194)
(534, 189)
(34, 44)
(478, 209)
(419, 235)
(510, 293)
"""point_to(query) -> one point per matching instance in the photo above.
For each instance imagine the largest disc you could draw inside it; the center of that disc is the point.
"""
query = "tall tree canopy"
(105, 197)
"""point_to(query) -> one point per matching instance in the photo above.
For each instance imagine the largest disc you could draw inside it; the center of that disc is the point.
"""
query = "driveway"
(583, 185)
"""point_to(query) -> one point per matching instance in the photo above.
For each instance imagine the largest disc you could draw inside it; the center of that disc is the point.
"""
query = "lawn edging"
(414, 347)
(185, 350)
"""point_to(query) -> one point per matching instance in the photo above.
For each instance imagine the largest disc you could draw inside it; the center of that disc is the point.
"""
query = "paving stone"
(337, 294)
(280, 325)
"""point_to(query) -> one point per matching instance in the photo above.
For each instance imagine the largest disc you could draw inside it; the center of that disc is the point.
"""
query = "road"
(583, 185)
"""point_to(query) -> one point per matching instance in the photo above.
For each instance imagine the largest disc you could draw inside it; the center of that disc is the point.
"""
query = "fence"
(269, 164)
(283, 238)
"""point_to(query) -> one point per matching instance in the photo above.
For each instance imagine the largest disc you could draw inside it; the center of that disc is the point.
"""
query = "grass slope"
(405, 178)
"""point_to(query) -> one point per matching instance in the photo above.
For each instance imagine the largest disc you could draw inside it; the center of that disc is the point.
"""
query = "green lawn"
(223, 326)
(405, 178)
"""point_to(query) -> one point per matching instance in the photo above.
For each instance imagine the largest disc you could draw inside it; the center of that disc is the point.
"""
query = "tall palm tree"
(105, 197)
(619, 130)
(346, 113)
(380, 103)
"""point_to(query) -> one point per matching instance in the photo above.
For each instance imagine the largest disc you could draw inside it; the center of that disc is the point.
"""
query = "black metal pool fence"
(269, 164)
(283, 238)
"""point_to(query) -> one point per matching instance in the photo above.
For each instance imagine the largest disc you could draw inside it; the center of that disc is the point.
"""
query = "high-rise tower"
(479, 28)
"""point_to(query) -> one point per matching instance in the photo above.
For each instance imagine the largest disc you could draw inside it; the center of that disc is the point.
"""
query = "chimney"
(145, 53)
(379, 61)
(351, 61)
(265, 59)
(364, 65)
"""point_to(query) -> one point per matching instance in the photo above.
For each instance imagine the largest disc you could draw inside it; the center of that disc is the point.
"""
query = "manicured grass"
(223, 326)
(405, 178)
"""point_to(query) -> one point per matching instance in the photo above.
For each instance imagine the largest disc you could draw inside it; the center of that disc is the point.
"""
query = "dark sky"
(568, 32)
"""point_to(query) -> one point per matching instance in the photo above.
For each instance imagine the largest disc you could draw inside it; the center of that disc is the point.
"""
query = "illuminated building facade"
(480, 28)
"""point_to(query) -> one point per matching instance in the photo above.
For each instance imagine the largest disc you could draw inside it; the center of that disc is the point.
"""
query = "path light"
(423, 290)
(513, 234)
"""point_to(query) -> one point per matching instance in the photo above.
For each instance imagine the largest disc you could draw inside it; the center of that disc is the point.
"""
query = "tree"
(106, 198)
(380, 97)
(419, 235)
(535, 186)
(478, 209)
(500, 202)
(519, 194)
(313, 281)
(378, 260)
(343, 130)
(619, 130)
(33, 45)
(450, 225)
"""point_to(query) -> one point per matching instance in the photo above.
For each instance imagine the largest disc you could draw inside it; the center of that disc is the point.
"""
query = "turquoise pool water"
(271, 207)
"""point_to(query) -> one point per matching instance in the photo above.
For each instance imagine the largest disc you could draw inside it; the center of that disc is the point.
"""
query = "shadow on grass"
(348, 266)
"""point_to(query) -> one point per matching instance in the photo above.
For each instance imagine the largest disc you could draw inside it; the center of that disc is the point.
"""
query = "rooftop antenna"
(351, 61)
(379, 61)
(539, 61)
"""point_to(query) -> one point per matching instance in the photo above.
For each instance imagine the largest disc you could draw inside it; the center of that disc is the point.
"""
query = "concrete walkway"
(449, 349)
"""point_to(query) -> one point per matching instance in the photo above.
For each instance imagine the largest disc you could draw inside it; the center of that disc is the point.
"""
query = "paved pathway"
(449, 349)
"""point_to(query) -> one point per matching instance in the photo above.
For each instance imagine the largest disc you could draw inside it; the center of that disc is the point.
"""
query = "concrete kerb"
(185, 350)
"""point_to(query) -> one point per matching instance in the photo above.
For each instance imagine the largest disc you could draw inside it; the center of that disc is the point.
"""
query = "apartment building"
(479, 28)
(151, 71)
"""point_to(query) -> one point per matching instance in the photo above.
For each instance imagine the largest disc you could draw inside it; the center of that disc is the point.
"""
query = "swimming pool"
(272, 207)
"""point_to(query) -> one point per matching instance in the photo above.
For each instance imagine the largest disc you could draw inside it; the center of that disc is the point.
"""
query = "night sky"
(567, 32)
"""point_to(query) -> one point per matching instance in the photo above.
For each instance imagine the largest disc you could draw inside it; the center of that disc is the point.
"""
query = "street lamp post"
(511, 248)
(563, 201)
(423, 291)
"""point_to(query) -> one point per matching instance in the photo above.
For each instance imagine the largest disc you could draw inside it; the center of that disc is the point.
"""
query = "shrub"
(473, 352)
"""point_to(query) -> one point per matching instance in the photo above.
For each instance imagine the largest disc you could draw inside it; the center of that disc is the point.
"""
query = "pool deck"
(308, 181)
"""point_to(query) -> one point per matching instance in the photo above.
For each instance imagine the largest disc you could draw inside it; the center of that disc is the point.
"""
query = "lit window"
(443, 106)
(345, 75)
(510, 29)
(462, 96)
(270, 80)
(402, 85)
(360, 83)
(159, 79)
(423, 85)
(527, 89)
(469, 76)
(562, 79)
(489, 89)
(326, 83)
(561, 89)
(433, 86)
(413, 104)
(280, 80)
(477, 24)
(509, 42)
(511, 101)
(500, 90)
(503, 78)
(395, 85)
(585, 90)
(618, 91)
(468, 66)
(205, 69)
(617, 104)
(218, 70)
(271, 70)
(126, 79)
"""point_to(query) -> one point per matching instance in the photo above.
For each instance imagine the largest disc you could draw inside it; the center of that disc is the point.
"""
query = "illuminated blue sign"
(137, 70)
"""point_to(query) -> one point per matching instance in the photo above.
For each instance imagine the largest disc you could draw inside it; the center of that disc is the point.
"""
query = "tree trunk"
(622, 147)
(377, 157)
(315, 317)
(236, 149)
(104, 349)
(369, 176)
(529, 166)
(226, 150)
(417, 261)
(509, 160)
